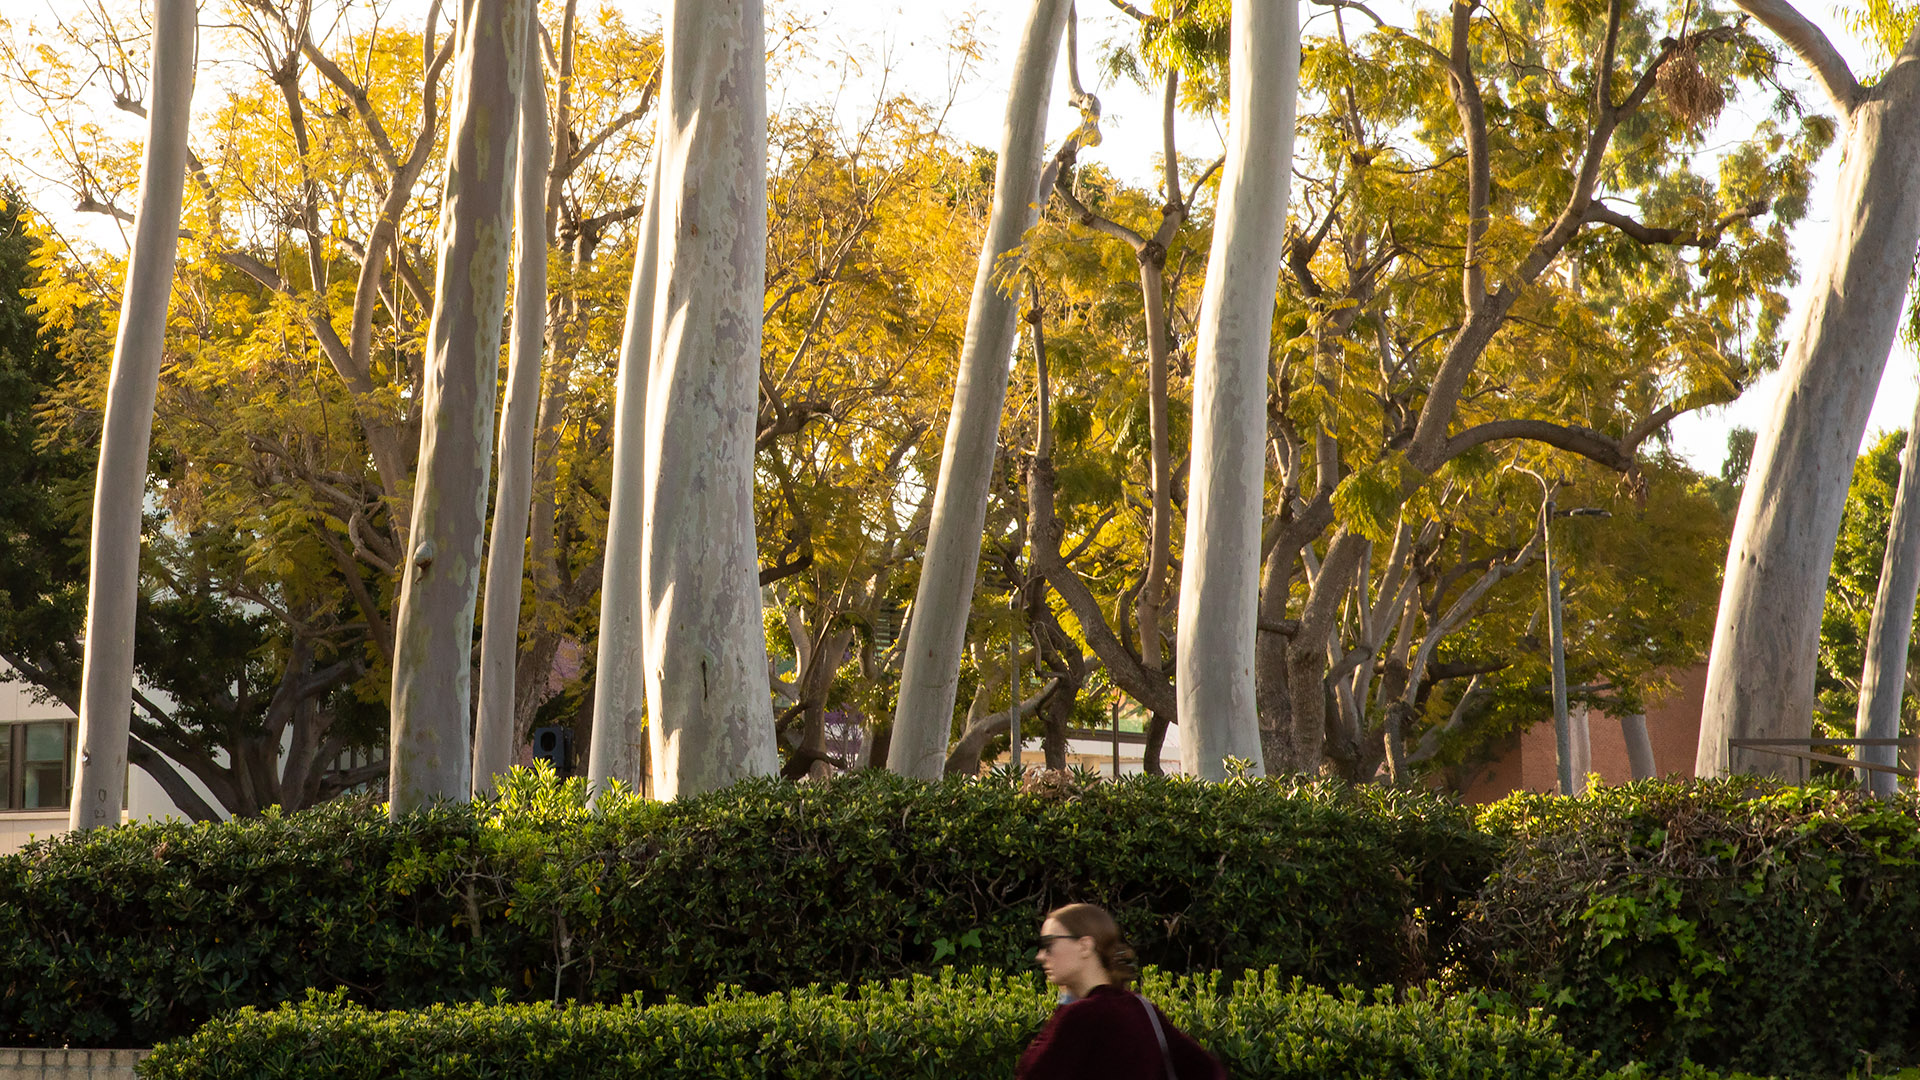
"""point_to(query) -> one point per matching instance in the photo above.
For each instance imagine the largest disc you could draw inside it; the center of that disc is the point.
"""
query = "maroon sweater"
(1107, 1036)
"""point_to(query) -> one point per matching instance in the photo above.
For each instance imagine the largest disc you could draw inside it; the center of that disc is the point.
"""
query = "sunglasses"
(1047, 940)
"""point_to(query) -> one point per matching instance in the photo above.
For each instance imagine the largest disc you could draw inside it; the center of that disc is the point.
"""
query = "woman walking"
(1102, 1030)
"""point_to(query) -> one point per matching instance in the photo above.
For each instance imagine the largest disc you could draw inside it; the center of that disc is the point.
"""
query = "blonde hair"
(1088, 920)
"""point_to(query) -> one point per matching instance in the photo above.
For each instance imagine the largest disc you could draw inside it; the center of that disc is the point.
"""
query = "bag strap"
(1153, 1017)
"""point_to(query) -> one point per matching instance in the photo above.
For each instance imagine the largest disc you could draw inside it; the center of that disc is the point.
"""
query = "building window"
(36, 759)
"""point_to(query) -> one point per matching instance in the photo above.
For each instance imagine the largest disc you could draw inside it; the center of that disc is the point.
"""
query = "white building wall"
(17, 827)
(146, 801)
(1096, 754)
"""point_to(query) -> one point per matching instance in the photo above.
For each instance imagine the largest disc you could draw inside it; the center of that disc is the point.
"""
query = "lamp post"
(1013, 683)
(1562, 726)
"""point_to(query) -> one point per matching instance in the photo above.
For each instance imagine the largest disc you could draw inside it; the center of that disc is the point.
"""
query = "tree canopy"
(1518, 247)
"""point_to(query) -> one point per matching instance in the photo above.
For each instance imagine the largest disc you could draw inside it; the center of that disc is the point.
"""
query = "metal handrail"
(1779, 746)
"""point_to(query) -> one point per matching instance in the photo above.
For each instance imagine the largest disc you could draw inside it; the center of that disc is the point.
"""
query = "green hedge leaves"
(135, 935)
(1734, 924)
(971, 1026)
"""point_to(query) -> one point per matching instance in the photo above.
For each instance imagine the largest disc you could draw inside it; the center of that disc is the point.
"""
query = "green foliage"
(1264, 1028)
(134, 935)
(1639, 588)
(1725, 490)
(1884, 24)
(44, 487)
(1736, 924)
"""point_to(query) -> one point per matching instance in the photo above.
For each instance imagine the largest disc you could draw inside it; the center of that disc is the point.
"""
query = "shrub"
(1735, 924)
(952, 1026)
(134, 935)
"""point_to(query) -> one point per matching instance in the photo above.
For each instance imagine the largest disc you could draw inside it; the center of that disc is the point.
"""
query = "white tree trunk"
(929, 679)
(106, 689)
(1581, 745)
(1760, 681)
(493, 726)
(1883, 675)
(705, 642)
(1633, 729)
(1220, 576)
(430, 755)
(620, 674)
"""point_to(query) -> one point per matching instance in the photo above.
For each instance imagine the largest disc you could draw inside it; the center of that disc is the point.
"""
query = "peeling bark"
(705, 647)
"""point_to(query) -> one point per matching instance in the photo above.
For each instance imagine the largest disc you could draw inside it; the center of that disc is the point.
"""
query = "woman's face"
(1070, 962)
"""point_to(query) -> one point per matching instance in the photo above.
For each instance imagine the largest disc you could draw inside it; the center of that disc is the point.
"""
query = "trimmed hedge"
(1734, 924)
(953, 1026)
(135, 935)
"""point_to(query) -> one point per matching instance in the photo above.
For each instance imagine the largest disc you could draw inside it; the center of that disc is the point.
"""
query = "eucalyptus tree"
(1150, 248)
(1760, 681)
(1220, 582)
(430, 751)
(494, 728)
(287, 418)
(704, 639)
(1883, 671)
(616, 750)
(119, 499)
(1860, 679)
(923, 717)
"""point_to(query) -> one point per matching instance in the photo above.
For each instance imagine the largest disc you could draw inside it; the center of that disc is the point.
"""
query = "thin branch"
(1600, 213)
(618, 124)
(1812, 46)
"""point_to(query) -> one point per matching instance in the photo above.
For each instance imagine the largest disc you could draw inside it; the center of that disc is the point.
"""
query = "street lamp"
(1562, 727)
(1013, 685)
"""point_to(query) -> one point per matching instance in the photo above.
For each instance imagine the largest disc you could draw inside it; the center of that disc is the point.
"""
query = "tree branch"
(1810, 43)
(185, 799)
(618, 123)
(1083, 213)
(1600, 213)
(781, 571)
(1465, 89)
(1596, 446)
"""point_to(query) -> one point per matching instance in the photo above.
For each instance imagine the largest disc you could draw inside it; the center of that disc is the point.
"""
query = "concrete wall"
(19, 827)
(69, 1064)
(1526, 763)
